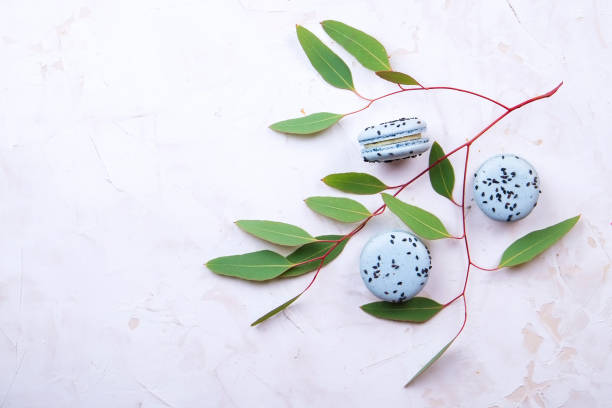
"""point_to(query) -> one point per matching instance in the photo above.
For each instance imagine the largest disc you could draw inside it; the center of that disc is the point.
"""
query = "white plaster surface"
(133, 133)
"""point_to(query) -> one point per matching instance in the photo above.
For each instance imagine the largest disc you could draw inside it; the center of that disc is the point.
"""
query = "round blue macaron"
(394, 140)
(395, 265)
(506, 187)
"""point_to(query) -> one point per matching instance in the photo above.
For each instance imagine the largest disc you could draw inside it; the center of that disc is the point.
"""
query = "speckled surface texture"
(133, 134)
(395, 265)
(389, 133)
(506, 187)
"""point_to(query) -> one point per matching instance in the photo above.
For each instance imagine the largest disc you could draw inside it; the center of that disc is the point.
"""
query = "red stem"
(432, 88)
(401, 187)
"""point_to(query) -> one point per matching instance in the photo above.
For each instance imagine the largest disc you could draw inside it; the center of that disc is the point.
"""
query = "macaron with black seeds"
(395, 265)
(394, 140)
(506, 187)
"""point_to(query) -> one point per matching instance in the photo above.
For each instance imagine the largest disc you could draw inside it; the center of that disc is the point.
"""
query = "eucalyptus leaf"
(255, 266)
(397, 77)
(339, 208)
(276, 232)
(533, 244)
(430, 362)
(415, 310)
(441, 176)
(275, 311)
(307, 125)
(421, 222)
(311, 251)
(356, 183)
(368, 51)
(325, 61)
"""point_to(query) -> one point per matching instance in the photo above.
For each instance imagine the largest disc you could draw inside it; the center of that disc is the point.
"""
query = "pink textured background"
(134, 132)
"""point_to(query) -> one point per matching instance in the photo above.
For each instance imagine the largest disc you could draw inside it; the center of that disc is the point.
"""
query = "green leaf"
(442, 176)
(325, 61)
(338, 208)
(415, 310)
(276, 232)
(307, 125)
(397, 77)
(368, 51)
(430, 362)
(356, 183)
(421, 222)
(311, 251)
(255, 266)
(533, 244)
(275, 311)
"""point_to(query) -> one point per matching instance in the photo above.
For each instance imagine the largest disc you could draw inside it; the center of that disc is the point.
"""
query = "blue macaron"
(506, 187)
(394, 140)
(395, 265)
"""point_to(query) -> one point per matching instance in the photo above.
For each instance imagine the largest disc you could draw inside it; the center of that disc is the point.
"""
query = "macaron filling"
(393, 140)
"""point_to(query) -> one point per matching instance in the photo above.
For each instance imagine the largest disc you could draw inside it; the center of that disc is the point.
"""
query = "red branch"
(401, 187)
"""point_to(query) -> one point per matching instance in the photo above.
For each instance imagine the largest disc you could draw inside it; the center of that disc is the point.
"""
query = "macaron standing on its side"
(394, 140)
(506, 187)
(395, 265)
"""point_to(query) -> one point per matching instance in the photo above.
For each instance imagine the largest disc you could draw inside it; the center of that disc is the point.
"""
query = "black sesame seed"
(399, 283)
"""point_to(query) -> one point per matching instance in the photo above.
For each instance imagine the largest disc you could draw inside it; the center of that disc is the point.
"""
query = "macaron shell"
(393, 128)
(395, 265)
(506, 187)
(396, 151)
